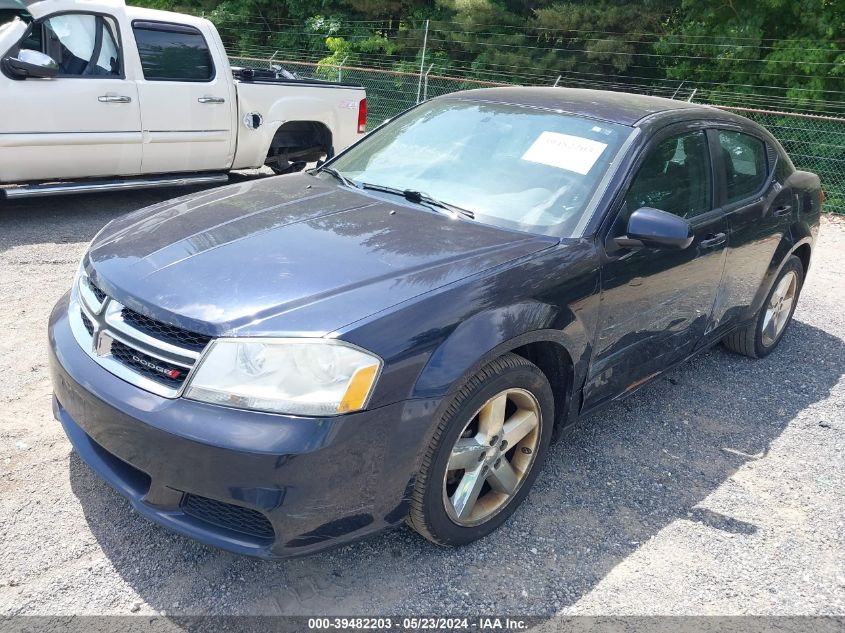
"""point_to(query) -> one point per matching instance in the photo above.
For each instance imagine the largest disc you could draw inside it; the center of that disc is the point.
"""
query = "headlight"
(297, 376)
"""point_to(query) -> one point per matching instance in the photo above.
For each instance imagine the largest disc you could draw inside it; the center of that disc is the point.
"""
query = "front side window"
(171, 52)
(746, 167)
(82, 44)
(512, 166)
(674, 177)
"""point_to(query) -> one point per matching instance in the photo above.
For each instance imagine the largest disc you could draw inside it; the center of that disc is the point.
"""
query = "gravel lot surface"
(718, 489)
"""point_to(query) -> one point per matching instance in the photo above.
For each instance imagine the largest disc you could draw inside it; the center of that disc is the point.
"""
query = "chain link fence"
(815, 143)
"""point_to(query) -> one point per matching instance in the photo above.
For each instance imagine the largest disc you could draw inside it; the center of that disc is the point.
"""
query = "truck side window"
(82, 44)
(171, 52)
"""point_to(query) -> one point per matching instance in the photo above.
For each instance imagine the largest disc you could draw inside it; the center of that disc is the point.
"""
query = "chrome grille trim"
(88, 297)
(109, 326)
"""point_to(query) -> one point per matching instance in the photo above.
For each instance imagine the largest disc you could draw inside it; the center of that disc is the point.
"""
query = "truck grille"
(153, 355)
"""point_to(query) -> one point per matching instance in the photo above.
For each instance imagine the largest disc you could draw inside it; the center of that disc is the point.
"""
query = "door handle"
(783, 211)
(713, 241)
(211, 100)
(114, 99)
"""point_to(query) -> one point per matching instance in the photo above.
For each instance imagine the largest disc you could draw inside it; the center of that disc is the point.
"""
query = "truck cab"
(102, 90)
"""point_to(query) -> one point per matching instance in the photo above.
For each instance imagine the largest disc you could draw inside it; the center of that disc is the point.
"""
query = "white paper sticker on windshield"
(565, 151)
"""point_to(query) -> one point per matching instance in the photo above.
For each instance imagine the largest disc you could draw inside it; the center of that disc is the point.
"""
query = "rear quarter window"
(173, 52)
(746, 164)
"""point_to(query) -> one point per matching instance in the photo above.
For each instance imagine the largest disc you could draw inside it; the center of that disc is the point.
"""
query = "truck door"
(186, 100)
(86, 121)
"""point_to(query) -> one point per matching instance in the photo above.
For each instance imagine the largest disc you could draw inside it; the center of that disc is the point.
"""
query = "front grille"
(142, 351)
(98, 294)
(149, 366)
(89, 327)
(165, 332)
(229, 516)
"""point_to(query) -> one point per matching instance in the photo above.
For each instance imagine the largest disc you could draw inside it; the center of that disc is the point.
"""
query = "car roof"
(616, 107)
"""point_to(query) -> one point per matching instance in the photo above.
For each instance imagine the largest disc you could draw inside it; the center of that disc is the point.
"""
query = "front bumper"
(253, 483)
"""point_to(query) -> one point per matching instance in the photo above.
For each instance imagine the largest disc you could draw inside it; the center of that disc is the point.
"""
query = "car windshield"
(513, 166)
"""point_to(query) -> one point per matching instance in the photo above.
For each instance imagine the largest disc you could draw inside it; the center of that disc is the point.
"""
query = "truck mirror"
(29, 63)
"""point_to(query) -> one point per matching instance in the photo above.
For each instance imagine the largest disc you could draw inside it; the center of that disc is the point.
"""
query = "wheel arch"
(803, 252)
(554, 360)
(289, 134)
(554, 351)
(800, 247)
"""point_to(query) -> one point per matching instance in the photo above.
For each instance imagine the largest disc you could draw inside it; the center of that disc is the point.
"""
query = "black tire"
(749, 340)
(428, 514)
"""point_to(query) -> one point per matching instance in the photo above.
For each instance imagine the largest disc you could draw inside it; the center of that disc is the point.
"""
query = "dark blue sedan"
(287, 364)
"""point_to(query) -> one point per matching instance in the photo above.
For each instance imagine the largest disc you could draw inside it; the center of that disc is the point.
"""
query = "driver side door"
(84, 122)
(656, 303)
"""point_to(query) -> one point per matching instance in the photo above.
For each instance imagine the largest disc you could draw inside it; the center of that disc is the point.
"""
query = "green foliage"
(760, 54)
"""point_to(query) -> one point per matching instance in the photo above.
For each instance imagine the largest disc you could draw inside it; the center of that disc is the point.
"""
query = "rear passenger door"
(759, 209)
(186, 100)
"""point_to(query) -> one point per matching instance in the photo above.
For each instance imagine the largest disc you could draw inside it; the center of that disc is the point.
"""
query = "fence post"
(422, 61)
(340, 69)
(425, 83)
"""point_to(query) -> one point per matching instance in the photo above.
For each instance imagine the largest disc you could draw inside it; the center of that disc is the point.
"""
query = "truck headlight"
(314, 377)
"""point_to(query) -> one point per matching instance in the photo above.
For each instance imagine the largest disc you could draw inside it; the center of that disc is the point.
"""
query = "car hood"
(294, 255)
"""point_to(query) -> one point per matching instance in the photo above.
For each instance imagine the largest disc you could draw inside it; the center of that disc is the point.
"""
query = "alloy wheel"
(492, 457)
(779, 308)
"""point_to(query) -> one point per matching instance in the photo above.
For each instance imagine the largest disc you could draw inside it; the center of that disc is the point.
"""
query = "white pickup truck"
(96, 95)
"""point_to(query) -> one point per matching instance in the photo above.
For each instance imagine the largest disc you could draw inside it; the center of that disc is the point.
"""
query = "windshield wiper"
(418, 197)
(334, 172)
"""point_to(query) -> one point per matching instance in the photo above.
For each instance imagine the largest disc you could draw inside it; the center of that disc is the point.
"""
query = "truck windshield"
(512, 166)
(11, 9)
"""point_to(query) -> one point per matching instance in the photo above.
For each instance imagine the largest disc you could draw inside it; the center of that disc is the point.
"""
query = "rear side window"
(171, 52)
(746, 166)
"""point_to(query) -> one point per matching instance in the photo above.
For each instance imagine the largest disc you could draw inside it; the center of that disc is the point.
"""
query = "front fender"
(488, 335)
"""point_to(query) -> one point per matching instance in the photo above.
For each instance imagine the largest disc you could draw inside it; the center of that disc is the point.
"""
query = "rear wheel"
(760, 338)
(485, 453)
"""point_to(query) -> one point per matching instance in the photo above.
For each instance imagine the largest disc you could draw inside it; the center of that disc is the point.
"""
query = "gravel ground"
(718, 489)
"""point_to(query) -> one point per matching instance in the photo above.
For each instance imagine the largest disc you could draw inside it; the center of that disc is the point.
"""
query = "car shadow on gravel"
(607, 488)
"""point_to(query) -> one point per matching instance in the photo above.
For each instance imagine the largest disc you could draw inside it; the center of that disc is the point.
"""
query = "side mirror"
(654, 228)
(29, 63)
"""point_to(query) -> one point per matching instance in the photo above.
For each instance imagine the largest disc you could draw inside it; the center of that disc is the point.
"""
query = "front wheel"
(760, 338)
(485, 453)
